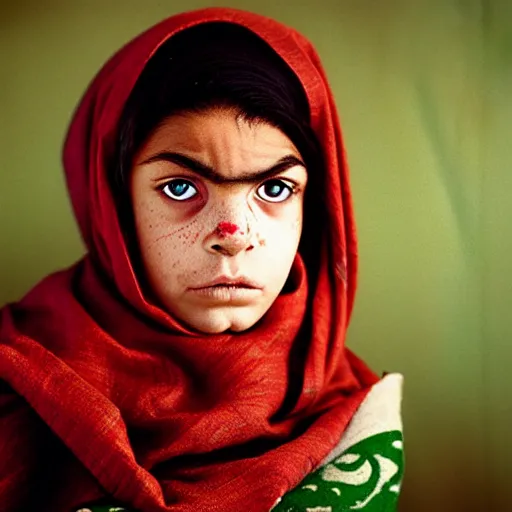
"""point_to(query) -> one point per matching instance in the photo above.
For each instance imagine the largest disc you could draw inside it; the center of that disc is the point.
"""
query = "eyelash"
(292, 187)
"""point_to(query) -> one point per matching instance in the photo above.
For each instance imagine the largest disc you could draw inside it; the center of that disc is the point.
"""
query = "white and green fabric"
(363, 473)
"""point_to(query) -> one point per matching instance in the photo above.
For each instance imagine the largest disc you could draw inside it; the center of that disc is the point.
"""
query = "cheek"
(168, 236)
(170, 258)
(296, 224)
(157, 220)
(285, 226)
(172, 243)
(166, 245)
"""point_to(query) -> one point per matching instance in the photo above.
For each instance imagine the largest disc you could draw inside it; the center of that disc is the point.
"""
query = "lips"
(231, 282)
(239, 291)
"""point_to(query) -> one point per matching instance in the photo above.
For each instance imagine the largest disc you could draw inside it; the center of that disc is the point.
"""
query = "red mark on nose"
(226, 228)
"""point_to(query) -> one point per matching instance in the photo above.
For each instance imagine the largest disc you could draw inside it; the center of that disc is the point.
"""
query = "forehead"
(222, 139)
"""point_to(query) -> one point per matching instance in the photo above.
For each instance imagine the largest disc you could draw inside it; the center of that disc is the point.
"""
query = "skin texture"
(195, 226)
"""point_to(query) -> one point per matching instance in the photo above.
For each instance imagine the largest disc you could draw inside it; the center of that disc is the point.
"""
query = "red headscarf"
(107, 395)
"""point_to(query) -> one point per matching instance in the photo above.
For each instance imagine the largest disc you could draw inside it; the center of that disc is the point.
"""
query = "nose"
(229, 239)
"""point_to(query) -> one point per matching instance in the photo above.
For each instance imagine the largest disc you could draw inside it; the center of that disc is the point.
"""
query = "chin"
(217, 322)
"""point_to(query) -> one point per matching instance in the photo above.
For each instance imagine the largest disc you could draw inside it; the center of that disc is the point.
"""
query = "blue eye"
(179, 189)
(274, 191)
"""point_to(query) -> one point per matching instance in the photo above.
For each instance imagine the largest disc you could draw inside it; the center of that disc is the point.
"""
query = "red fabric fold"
(105, 394)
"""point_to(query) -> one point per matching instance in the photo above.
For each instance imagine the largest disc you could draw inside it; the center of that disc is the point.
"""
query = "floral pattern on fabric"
(366, 477)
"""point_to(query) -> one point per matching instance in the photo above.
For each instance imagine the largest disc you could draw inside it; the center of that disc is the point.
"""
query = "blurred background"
(424, 89)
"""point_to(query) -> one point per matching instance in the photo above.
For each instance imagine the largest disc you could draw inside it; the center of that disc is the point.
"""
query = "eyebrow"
(214, 176)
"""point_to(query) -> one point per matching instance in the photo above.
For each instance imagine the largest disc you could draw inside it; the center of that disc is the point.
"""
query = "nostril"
(216, 247)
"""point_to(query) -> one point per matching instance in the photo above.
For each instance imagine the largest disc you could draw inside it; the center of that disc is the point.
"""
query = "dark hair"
(218, 64)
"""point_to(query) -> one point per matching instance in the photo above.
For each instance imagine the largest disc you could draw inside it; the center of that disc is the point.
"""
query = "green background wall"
(424, 92)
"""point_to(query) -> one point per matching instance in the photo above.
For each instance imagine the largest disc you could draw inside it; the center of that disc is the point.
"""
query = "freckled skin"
(224, 229)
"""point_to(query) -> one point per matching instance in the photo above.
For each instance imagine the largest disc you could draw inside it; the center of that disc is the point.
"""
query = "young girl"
(194, 359)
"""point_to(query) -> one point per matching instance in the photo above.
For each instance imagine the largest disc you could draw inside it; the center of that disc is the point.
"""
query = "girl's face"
(218, 212)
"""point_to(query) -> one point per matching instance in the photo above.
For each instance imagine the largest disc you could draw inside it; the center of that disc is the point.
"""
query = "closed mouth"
(240, 293)
(231, 283)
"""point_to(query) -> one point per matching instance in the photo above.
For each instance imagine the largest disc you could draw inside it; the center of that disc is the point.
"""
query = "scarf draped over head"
(104, 394)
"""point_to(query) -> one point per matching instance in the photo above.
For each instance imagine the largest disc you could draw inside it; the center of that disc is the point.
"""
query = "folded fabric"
(365, 470)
